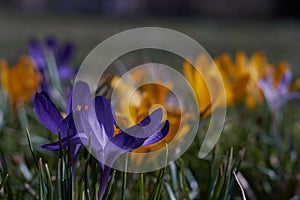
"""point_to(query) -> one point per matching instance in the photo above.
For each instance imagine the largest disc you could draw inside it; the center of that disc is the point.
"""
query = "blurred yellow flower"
(144, 100)
(19, 81)
(248, 72)
(210, 75)
(245, 73)
(239, 78)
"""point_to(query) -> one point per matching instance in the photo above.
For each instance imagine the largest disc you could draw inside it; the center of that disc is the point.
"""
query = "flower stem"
(142, 189)
(124, 178)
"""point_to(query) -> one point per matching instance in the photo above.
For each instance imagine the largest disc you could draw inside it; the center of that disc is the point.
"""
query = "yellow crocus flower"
(246, 73)
(210, 76)
(146, 98)
(19, 81)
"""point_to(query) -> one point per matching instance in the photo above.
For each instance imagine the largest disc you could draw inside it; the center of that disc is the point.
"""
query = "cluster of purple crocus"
(93, 124)
(278, 97)
(41, 51)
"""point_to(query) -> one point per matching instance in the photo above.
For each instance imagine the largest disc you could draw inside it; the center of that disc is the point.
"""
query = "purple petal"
(75, 148)
(69, 102)
(46, 111)
(88, 126)
(66, 72)
(52, 44)
(267, 87)
(65, 53)
(127, 142)
(159, 135)
(147, 130)
(285, 82)
(148, 126)
(67, 126)
(54, 146)
(104, 178)
(81, 94)
(105, 115)
(36, 53)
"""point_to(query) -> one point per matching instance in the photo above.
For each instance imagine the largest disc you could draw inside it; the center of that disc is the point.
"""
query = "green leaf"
(43, 187)
(159, 183)
(4, 180)
(49, 183)
(184, 185)
(31, 148)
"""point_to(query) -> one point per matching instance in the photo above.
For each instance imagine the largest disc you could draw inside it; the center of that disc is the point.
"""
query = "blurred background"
(218, 25)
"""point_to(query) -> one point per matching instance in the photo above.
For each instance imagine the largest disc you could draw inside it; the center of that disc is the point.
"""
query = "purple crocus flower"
(278, 97)
(52, 119)
(95, 119)
(62, 54)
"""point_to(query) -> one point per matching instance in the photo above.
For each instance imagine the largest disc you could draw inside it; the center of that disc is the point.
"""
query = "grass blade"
(58, 180)
(158, 185)
(31, 149)
(49, 183)
(4, 180)
(174, 179)
(170, 192)
(142, 187)
(184, 185)
(43, 190)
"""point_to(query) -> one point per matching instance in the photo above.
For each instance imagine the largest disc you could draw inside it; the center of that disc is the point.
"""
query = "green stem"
(185, 187)
(211, 170)
(31, 149)
(276, 133)
(124, 179)
(142, 188)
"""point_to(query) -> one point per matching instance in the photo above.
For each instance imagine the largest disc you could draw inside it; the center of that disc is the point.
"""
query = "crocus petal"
(66, 72)
(105, 115)
(69, 102)
(147, 130)
(46, 111)
(127, 142)
(54, 146)
(267, 87)
(67, 126)
(88, 126)
(148, 126)
(36, 53)
(104, 178)
(285, 82)
(82, 94)
(65, 53)
(159, 135)
(52, 44)
(293, 96)
(75, 148)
